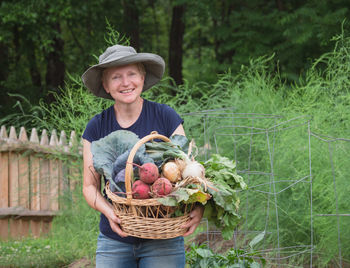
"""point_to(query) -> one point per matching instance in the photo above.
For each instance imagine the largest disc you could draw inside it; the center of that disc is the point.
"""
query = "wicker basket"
(146, 218)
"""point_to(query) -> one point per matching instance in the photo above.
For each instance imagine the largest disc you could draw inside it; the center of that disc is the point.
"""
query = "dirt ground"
(82, 263)
(214, 241)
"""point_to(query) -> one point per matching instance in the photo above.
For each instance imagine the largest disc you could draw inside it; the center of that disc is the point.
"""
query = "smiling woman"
(123, 83)
(122, 74)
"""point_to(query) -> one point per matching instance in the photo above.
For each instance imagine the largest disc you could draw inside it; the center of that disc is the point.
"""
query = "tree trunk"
(55, 66)
(280, 5)
(16, 42)
(4, 62)
(177, 30)
(4, 72)
(131, 23)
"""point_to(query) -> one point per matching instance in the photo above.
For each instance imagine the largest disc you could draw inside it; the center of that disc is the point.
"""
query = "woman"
(122, 75)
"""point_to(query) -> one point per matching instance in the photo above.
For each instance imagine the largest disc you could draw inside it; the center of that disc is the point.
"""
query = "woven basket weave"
(146, 218)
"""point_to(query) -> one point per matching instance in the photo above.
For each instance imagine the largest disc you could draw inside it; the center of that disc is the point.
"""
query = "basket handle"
(129, 166)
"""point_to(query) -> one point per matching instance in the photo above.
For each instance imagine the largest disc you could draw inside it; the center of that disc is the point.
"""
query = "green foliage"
(28, 34)
(76, 106)
(29, 115)
(228, 34)
(223, 169)
(202, 256)
(222, 209)
(324, 93)
(73, 237)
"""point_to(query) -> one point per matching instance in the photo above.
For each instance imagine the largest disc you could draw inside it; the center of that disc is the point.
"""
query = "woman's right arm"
(92, 190)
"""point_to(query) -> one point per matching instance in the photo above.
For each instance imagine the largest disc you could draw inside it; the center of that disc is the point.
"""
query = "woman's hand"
(114, 222)
(195, 219)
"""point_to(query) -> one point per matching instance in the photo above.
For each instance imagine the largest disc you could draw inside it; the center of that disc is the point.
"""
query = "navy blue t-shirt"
(153, 117)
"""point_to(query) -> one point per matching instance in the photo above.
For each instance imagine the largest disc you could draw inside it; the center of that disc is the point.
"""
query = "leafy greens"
(222, 208)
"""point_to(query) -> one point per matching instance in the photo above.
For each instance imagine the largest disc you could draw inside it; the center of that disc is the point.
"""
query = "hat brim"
(154, 67)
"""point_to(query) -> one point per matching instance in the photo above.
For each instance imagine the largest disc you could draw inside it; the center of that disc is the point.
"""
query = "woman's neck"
(127, 114)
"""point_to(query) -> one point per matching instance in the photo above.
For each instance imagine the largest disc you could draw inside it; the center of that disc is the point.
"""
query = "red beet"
(161, 187)
(140, 190)
(148, 173)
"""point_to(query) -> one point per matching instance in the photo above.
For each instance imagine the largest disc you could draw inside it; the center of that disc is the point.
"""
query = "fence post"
(4, 182)
(35, 225)
(54, 173)
(23, 182)
(74, 169)
(63, 169)
(44, 175)
(13, 183)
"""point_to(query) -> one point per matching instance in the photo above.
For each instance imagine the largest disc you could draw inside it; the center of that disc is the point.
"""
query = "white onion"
(193, 169)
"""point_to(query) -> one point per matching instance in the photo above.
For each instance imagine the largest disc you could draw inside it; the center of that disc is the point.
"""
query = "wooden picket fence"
(35, 174)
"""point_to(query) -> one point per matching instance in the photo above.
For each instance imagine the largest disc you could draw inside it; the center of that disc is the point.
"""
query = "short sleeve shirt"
(154, 117)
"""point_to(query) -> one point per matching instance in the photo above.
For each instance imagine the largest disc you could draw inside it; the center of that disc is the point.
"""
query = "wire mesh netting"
(331, 211)
(293, 176)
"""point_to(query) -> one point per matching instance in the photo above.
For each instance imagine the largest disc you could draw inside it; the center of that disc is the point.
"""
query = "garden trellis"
(34, 174)
(287, 171)
(337, 213)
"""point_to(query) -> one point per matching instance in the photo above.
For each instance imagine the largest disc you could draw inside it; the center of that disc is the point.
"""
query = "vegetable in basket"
(148, 172)
(222, 209)
(140, 190)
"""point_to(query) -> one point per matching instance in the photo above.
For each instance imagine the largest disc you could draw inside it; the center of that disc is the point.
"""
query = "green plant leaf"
(257, 239)
(204, 253)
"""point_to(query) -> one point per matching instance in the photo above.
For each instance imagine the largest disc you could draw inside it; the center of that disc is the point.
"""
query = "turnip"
(161, 187)
(140, 190)
(148, 172)
(193, 169)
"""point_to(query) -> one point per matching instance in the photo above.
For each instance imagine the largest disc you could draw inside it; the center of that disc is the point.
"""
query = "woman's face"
(123, 83)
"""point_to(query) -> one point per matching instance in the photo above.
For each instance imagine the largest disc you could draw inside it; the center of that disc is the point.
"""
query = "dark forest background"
(41, 42)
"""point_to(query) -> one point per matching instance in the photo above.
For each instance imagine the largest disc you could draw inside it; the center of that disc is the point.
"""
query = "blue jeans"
(162, 253)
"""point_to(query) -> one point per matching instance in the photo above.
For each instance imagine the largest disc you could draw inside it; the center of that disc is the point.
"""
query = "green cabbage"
(105, 151)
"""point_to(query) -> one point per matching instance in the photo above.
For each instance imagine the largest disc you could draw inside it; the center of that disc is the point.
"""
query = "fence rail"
(34, 174)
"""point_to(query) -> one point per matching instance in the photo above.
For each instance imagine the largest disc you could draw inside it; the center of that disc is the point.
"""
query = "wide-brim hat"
(118, 55)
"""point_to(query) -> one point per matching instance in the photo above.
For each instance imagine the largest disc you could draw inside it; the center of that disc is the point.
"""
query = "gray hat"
(118, 55)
